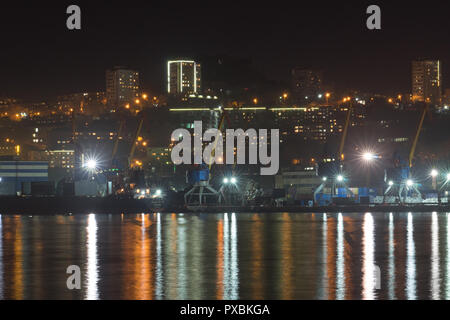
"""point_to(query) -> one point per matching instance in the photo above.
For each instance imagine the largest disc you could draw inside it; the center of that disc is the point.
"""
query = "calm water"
(227, 256)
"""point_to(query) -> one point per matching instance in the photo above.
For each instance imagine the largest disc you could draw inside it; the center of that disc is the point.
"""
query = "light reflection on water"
(391, 258)
(410, 260)
(92, 262)
(368, 269)
(435, 278)
(227, 256)
(1, 259)
(340, 259)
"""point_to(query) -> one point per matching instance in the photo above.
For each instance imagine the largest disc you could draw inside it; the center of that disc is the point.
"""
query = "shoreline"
(83, 205)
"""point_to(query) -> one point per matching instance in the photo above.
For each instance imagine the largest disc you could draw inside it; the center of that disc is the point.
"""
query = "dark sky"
(39, 57)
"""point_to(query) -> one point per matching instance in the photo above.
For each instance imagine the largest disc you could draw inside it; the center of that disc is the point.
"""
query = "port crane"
(199, 178)
(402, 168)
(338, 166)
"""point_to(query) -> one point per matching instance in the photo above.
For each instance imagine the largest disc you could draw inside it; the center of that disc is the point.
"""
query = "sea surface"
(359, 255)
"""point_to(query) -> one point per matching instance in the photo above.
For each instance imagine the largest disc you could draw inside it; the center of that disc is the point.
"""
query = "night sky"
(40, 58)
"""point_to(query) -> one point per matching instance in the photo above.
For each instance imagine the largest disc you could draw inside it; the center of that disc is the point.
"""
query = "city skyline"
(274, 41)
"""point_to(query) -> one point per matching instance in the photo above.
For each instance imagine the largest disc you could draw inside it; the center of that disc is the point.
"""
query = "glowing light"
(434, 173)
(225, 180)
(92, 259)
(340, 178)
(158, 192)
(324, 179)
(233, 180)
(409, 182)
(391, 183)
(448, 176)
(368, 156)
(91, 164)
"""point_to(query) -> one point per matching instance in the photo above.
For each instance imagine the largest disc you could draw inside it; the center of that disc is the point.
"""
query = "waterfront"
(227, 256)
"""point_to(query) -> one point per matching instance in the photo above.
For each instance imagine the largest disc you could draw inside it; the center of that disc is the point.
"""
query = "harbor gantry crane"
(403, 177)
(337, 171)
(199, 177)
(133, 146)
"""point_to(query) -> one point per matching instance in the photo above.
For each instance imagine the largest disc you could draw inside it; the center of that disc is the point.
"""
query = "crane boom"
(133, 147)
(416, 138)
(222, 118)
(344, 133)
(116, 143)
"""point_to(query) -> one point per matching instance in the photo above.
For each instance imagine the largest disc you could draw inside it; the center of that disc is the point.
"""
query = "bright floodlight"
(158, 192)
(340, 178)
(324, 179)
(91, 164)
(409, 182)
(448, 176)
(391, 183)
(434, 173)
(233, 180)
(225, 180)
(368, 156)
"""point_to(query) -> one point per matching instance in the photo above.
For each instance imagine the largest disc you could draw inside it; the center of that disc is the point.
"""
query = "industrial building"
(22, 177)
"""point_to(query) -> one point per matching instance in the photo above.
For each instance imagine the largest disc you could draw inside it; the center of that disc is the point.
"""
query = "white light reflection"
(230, 258)
(369, 281)
(226, 255)
(159, 274)
(182, 280)
(323, 292)
(410, 260)
(391, 271)
(435, 280)
(340, 275)
(92, 262)
(1, 259)
(447, 292)
(234, 270)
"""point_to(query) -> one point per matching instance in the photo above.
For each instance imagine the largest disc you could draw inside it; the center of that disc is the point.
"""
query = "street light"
(448, 176)
(324, 179)
(391, 183)
(233, 180)
(368, 156)
(340, 178)
(91, 164)
(409, 182)
(434, 173)
(225, 180)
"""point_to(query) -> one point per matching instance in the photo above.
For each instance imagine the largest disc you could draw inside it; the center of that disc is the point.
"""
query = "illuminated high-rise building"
(122, 86)
(183, 77)
(427, 81)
